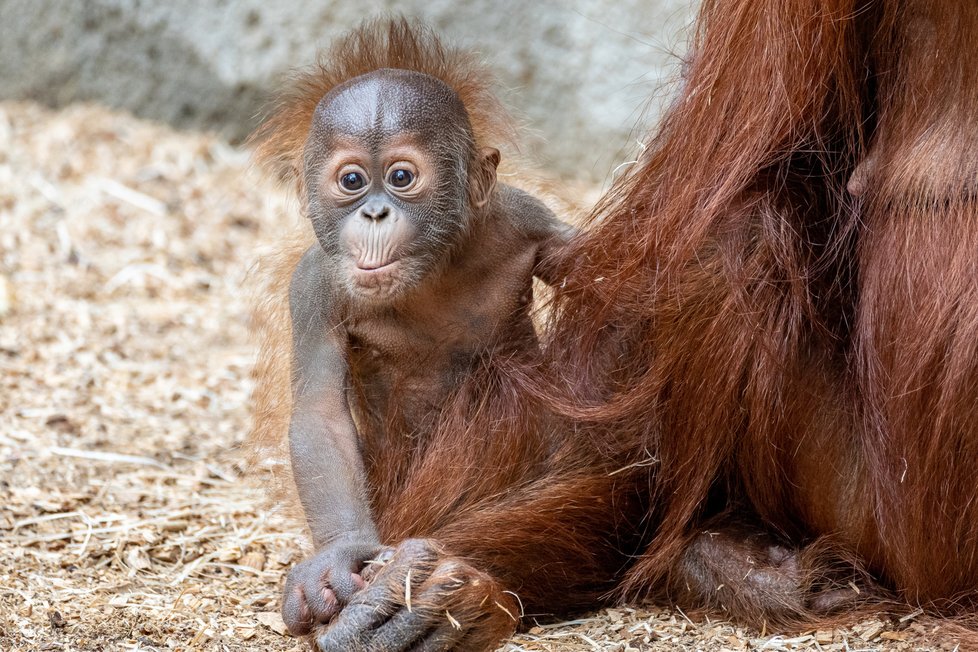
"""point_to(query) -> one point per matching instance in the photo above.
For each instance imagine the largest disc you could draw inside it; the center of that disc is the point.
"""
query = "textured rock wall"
(580, 72)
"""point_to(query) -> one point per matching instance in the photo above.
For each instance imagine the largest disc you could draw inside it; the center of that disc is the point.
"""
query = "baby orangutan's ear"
(482, 179)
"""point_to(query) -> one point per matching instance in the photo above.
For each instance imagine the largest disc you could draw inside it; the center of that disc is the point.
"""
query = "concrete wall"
(581, 72)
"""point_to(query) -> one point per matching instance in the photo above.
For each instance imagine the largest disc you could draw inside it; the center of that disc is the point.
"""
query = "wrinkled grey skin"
(403, 293)
(374, 110)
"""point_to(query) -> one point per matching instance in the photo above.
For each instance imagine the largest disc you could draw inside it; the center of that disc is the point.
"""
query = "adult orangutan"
(763, 353)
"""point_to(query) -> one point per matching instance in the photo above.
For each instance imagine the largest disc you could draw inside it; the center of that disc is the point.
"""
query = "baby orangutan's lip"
(375, 279)
(372, 268)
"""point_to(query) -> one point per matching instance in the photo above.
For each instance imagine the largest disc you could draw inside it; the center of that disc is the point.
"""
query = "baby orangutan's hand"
(318, 587)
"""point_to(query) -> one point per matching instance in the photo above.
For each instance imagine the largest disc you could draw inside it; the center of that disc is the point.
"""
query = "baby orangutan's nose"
(375, 210)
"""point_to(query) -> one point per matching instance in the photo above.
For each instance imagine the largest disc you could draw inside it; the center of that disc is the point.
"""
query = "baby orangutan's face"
(386, 169)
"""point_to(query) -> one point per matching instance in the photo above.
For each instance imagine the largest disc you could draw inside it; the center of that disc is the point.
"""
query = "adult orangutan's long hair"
(781, 300)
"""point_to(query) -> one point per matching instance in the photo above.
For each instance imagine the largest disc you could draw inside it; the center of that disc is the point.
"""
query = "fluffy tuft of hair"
(376, 44)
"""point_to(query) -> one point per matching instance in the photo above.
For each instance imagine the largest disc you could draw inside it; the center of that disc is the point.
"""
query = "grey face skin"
(386, 171)
(423, 265)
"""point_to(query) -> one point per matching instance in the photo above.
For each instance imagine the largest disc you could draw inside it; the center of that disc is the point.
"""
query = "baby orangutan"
(423, 266)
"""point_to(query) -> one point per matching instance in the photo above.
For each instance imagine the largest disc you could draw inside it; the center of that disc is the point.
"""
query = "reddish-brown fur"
(795, 352)
(773, 317)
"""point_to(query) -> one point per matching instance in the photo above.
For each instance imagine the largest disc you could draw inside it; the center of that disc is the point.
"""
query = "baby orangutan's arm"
(326, 461)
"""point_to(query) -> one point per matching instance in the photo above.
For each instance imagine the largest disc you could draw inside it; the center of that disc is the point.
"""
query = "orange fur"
(790, 350)
(268, 444)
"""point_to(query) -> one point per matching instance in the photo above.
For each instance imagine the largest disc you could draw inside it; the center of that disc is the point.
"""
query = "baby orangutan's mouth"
(375, 266)
(376, 278)
(378, 251)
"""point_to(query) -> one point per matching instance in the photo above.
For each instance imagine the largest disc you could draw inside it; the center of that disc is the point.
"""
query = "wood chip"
(254, 560)
(273, 621)
(246, 633)
(119, 601)
(871, 631)
(138, 559)
(824, 637)
(57, 620)
(6, 296)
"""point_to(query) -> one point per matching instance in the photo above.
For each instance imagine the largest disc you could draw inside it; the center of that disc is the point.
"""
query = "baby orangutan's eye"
(402, 175)
(400, 178)
(352, 181)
